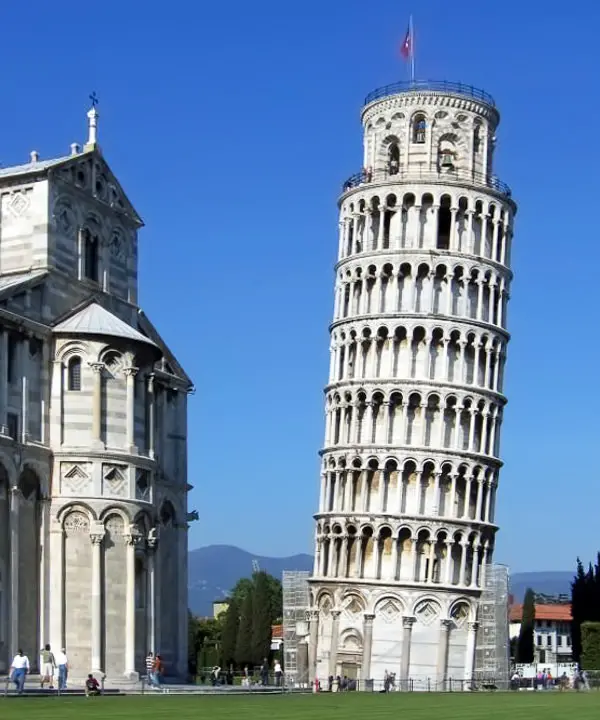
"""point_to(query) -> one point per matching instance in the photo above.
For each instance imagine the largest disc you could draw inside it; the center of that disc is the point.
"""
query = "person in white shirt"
(278, 673)
(20, 668)
(62, 663)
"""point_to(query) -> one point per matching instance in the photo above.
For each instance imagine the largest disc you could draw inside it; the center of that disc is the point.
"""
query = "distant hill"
(547, 583)
(215, 569)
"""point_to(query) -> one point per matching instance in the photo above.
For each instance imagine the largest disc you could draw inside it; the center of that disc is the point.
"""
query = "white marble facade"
(93, 448)
(414, 404)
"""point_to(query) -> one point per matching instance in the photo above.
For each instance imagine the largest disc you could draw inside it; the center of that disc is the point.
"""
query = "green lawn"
(396, 706)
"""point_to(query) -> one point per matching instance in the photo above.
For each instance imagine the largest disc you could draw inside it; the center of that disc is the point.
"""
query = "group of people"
(53, 665)
(544, 680)
(217, 677)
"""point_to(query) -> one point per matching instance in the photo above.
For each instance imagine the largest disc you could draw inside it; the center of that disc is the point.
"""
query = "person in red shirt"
(92, 686)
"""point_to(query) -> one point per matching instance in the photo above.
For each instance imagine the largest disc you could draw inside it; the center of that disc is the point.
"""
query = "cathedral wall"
(169, 576)
(29, 566)
(77, 584)
(114, 594)
(4, 575)
(23, 226)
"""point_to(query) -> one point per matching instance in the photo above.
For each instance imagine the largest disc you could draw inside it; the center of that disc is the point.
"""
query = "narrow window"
(12, 421)
(394, 159)
(90, 257)
(419, 129)
(74, 374)
(11, 364)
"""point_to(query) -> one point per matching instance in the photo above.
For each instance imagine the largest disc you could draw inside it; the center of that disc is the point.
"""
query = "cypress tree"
(229, 635)
(262, 617)
(243, 646)
(526, 633)
(578, 608)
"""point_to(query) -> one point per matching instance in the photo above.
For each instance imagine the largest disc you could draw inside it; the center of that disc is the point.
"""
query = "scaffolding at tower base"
(493, 649)
(296, 602)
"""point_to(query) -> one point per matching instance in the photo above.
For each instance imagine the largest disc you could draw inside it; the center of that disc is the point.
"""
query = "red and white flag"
(407, 46)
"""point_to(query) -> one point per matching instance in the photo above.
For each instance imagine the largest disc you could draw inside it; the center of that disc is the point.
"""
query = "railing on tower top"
(421, 174)
(442, 86)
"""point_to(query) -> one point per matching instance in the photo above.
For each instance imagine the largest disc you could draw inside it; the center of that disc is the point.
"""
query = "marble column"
(3, 381)
(333, 649)
(152, 589)
(130, 373)
(151, 413)
(470, 652)
(394, 571)
(407, 625)
(96, 538)
(57, 586)
(463, 562)
(25, 362)
(313, 623)
(367, 647)
(97, 405)
(442, 661)
(15, 504)
(130, 672)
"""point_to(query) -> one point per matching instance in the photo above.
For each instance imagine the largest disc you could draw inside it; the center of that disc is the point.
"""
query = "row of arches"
(421, 139)
(438, 354)
(378, 223)
(392, 487)
(415, 420)
(442, 558)
(480, 295)
(355, 602)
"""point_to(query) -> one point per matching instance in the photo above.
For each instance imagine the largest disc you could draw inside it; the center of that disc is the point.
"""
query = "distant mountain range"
(545, 583)
(215, 569)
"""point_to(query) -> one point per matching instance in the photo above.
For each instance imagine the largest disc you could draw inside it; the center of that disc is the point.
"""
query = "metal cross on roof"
(94, 99)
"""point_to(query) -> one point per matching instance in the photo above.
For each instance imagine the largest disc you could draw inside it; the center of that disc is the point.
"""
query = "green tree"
(525, 642)
(243, 646)
(193, 644)
(590, 643)
(231, 624)
(262, 616)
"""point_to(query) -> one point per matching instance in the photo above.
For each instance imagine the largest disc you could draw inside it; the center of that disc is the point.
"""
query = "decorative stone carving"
(389, 611)
(114, 480)
(115, 526)
(459, 615)
(352, 607)
(75, 478)
(426, 612)
(18, 204)
(76, 522)
(142, 485)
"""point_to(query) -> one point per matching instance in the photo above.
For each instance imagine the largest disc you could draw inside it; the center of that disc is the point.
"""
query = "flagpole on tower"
(412, 49)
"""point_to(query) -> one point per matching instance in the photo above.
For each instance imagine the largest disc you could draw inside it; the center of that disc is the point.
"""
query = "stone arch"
(72, 348)
(80, 507)
(112, 510)
(427, 609)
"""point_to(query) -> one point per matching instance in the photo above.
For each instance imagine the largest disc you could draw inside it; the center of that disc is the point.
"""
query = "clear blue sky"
(231, 126)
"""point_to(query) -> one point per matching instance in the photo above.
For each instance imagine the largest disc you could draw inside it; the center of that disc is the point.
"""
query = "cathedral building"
(93, 434)
(406, 524)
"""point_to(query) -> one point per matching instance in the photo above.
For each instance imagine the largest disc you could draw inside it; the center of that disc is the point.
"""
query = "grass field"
(397, 706)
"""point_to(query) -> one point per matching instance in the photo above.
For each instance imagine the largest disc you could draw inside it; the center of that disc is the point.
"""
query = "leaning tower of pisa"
(405, 527)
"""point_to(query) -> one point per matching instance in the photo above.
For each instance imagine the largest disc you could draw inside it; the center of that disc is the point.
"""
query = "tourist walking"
(20, 668)
(48, 666)
(62, 662)
(264, 672)
(149, 667)
(278, 673)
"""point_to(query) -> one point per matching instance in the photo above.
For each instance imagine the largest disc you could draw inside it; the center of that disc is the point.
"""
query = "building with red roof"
(552, 631)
